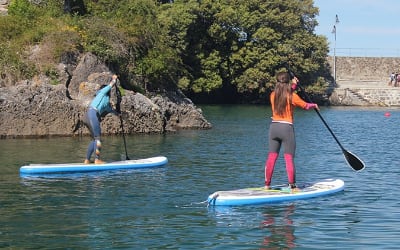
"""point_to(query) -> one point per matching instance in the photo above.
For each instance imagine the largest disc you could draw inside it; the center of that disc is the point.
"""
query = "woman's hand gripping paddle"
(356, 163)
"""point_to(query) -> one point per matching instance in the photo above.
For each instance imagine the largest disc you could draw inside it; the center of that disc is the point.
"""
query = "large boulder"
(36, 108)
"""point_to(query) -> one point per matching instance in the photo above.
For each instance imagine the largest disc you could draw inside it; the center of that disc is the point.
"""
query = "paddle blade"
(356, 163)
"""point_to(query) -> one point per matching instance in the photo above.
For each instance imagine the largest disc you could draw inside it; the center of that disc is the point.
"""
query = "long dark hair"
(283, 93)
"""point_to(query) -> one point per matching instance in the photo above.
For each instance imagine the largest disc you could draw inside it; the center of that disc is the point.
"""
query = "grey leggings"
(281, 133)
(92, 121)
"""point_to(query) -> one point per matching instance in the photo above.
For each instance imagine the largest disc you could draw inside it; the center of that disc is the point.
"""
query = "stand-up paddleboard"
(80, 167)
(260, 195)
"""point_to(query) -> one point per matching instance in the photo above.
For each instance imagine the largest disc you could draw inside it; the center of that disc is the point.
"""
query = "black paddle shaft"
(118, 108)
(354, 162)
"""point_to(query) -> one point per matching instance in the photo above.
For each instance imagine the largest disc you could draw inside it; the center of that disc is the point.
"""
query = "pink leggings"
(270, 164)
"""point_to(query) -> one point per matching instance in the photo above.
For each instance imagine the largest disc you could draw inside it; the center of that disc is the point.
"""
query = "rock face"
(4, 7)
(35, 108)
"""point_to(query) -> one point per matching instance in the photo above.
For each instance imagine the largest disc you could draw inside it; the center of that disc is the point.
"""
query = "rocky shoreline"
(36, 108)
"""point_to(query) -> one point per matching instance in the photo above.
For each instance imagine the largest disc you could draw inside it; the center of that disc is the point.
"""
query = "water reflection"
(281, 228)
(272, 224)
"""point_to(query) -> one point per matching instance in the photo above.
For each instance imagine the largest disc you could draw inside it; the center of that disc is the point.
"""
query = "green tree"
(233, 44)
(135, 37)
(228, 47)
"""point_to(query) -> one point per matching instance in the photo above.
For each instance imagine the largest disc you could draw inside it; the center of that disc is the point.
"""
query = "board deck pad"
(81, 167)
(260, 195)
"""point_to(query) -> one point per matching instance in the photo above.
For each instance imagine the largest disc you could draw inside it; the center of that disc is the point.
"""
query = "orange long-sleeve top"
(288, 115)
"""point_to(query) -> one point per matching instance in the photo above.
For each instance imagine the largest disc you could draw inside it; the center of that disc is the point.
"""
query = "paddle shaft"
(123, 135)
(119, 99)
(322, 119)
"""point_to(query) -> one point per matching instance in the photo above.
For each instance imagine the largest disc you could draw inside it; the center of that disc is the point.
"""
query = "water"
(164, 208)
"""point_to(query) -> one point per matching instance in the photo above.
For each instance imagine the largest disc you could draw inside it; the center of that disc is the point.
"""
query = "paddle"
(118, 108)
(356, 163)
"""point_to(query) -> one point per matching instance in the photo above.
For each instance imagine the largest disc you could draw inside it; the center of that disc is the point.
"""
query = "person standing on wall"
(392, 76)
(281, 131)
(98, 108)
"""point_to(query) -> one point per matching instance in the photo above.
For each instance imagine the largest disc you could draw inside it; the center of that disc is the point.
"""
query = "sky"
(365, 28)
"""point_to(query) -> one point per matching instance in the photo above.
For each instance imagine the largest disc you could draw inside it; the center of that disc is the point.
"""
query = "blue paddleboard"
(80, 167)
(260, 195)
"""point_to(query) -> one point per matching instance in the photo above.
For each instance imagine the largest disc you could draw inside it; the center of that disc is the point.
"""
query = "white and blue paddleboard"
(276, 194)
(81, 167)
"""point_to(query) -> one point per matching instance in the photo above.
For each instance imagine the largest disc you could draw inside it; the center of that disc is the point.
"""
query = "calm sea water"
(164, 208)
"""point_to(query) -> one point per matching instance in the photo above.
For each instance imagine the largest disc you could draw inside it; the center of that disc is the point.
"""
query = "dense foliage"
(223, 49)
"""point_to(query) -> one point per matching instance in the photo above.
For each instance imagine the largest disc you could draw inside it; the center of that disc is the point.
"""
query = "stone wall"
(365, 97)
(384, 96)
(365, 68)
(363, 81)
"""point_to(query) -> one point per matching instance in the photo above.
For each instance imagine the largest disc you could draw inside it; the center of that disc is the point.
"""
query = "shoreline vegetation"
(212, 52)
(168, 56)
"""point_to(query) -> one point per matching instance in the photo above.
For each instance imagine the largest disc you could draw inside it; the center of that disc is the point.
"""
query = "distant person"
(98, 108)
(392, 76)
(281, 130)
(395, 79)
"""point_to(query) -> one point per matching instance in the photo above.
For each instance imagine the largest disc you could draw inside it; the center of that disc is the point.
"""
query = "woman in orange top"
(281, 131)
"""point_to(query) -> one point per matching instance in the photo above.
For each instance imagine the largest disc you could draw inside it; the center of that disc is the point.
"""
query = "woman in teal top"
(98, 108)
